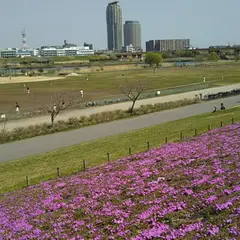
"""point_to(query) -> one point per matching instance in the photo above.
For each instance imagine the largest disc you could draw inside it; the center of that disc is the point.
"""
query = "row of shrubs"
(79, 122)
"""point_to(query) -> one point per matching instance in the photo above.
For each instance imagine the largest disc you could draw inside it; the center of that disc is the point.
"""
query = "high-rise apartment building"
(167, 45)
(132, 34)
(114, 26)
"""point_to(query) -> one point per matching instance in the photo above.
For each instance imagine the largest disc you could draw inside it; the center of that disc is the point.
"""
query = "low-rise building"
(67, 51)
(27, 52)
(8, 53)
(167, 45)
(130, 48)
(16, 52)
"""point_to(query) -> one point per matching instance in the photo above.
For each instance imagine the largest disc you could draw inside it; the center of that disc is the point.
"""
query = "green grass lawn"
(70, 160)
(102, 85)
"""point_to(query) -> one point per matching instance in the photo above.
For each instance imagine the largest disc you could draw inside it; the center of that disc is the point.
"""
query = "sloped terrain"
(186, 190)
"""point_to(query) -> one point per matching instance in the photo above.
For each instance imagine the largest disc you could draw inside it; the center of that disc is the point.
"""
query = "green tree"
(153, 59)
(213, 56)
(200, 58)
(166, 54)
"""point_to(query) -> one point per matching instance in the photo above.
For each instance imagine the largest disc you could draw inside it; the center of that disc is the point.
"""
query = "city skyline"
(49, 23)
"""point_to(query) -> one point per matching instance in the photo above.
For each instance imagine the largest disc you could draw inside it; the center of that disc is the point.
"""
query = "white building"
(8, 53)
(27, 52)
(15, 52)
(68, 51)
(129, 48)
(48, 52)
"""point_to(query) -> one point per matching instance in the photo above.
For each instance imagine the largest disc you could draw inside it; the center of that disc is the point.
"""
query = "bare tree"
(133, 90)
(59, 102)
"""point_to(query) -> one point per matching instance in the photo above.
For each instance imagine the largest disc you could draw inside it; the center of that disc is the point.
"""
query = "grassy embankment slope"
(70, 160)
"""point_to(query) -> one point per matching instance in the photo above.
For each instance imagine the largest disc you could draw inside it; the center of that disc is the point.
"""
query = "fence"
(86, 164)
(152, 94)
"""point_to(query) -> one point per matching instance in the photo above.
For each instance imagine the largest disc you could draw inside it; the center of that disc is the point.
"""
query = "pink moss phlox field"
(185, 190)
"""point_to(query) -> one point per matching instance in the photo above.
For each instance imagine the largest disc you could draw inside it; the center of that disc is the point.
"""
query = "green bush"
(74, 123)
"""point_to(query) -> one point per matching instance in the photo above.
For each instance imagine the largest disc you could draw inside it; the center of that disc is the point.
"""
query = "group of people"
(222, 107)
(28, 92)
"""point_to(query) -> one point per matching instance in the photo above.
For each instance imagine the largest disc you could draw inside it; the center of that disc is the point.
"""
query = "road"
(42, 144)
(119, 106)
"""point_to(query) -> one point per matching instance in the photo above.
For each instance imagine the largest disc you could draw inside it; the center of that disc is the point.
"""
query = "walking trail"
(119, 106)
(42, 144)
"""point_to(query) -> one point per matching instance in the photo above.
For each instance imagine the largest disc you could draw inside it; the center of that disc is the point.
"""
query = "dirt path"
(23, 79)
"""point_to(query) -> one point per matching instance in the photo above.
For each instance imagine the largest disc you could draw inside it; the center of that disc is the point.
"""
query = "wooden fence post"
(209, 127)
(27, 181)
(130, 150)
(221, 124)
(148, 146)
(108, 157)
(166, 140)
(195, 132)
(58, 172)
(181, 136)
(84, 165)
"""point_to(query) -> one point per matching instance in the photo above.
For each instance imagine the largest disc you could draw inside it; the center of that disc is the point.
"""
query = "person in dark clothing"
(215, 109)
(222, 107)
(63, 104)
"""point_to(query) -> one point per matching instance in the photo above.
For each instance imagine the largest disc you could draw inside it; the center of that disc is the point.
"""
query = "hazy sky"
(49, 22)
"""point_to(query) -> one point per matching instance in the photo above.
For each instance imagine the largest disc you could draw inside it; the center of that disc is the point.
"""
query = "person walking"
(215, 109)
(63, 104)
(222, 107)
(28, 90)
(81, 92)
(17, 108)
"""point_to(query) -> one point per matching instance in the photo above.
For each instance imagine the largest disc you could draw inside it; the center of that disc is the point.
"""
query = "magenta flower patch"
(186, 190)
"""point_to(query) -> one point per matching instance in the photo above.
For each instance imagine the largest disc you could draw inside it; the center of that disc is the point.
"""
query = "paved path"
(37, 145)
(119, 106)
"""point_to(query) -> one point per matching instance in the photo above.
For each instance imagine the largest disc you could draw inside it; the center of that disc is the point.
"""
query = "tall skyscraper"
(132, 34)
(114, 26)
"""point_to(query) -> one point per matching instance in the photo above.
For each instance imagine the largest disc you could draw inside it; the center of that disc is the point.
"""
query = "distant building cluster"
(167, 45)
(120, 38)
(67, 49)
(131, 33)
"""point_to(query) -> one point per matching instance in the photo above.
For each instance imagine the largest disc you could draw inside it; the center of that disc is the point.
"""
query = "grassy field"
(70, 160)
(102, 85)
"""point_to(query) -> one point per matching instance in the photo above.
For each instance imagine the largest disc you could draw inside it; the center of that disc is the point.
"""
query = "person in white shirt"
(17, 108)
(81, 92)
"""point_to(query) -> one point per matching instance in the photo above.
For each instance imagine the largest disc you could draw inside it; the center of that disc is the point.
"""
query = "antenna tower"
(24, 39)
